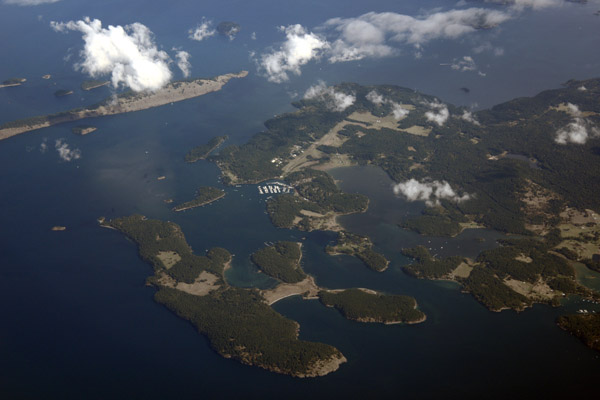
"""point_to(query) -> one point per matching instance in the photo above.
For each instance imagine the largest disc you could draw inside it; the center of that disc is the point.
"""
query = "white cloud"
(202, 31)
(582, 88)
(374, 97)
(466, 63)
(468, 116)
(183, 62)
(44, 145)
(29, 2)
(66, 153)
(398, 111)
(373, 34)
(488, 47)
(128, 54)
(429, 192)
(299, 48)
(439, 113)
(579, 131)
(376, 35)
(535, 4)
(573, 110)
(335, 101)
(253, 36)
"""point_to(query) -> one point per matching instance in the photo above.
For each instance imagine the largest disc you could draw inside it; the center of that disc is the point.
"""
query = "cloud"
(64, 152)
(44, 146)
(579, 131)
(582, 88)
(535, 4)
(253, 36)
(429, 192)
(466, 63)
(29, 2)
(439, 113)
(128, 54)
(468, 116)
(374, 97)
(183, 62)
(335, 101)
(299, 48)
(372, 35)
(397, 110)
(488, 47)
(202, 31)
(375, 34)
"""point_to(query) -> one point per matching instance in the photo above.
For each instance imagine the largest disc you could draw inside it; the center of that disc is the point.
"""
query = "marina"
(274, 188)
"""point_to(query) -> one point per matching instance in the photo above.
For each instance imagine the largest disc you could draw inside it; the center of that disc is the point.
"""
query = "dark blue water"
(77, 319)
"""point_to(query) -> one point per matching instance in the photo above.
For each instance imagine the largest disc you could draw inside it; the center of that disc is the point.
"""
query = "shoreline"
(173, 92)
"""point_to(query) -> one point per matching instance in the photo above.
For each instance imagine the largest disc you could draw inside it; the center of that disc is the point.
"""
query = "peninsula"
(123, 103)
(203, 151)
(204, 195)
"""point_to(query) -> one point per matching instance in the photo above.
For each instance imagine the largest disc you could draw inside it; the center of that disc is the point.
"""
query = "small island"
(204, 195)
(365, 305)
(59, 228)
(47, 76)
(93, 84)
(360, 247)
(63, 93)
(83, 130)
(203, 151)
(13, 82)
(281, 261)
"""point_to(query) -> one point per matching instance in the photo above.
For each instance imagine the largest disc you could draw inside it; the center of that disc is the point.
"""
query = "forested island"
(204, 195)
(364, 305)
(238, 322)
(281, 261)
(125, 102)
(361, 247)
(203, 151)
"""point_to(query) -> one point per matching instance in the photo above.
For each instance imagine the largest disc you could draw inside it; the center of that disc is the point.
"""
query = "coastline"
(173, 92)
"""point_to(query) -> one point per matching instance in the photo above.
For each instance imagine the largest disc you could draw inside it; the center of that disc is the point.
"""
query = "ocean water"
(77, 318)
